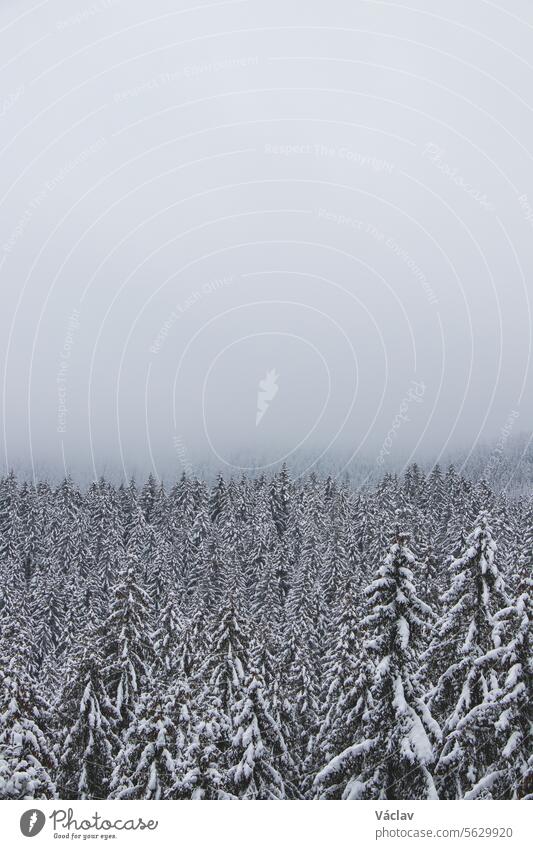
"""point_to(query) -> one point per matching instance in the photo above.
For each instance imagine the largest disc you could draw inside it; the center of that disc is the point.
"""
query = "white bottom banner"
(255, 824)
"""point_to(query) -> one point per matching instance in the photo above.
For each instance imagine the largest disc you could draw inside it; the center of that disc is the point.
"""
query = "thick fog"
(236, 232)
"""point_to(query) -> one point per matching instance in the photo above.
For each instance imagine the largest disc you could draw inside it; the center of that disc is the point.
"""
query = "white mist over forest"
(321, 213)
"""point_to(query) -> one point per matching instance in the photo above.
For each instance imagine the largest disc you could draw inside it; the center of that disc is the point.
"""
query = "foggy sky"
(324, 209)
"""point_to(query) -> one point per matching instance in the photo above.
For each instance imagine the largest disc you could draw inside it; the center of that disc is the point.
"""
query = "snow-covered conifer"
(393, 752)
(89, 743)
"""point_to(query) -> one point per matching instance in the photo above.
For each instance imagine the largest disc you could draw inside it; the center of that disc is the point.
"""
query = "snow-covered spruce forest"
(265, 638)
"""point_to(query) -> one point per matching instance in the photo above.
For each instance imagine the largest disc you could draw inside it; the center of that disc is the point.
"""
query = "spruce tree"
(507, 709)
(145, 767)
(393, 754)
(89, 743)
(462, 650)
(347, 678)
(203, 776)
(27, 759)
(126, 645)
(252, 772)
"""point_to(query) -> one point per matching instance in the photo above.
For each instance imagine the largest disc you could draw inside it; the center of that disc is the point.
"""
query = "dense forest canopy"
(265, 638)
